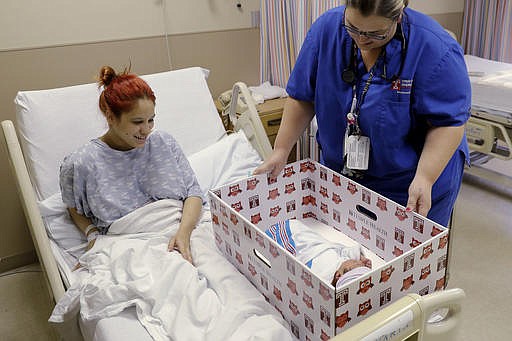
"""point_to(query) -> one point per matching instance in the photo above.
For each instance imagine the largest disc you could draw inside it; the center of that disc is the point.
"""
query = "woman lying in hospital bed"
(129, 166)
(135, 196)
(334, 262)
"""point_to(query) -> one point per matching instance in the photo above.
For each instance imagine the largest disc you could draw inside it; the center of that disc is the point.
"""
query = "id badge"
(357, 150)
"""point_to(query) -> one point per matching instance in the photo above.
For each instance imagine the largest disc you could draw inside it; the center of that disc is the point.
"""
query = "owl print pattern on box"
(414, 248)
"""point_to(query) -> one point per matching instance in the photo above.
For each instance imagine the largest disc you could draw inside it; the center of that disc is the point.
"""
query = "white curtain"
(487, 29)
(284, 24)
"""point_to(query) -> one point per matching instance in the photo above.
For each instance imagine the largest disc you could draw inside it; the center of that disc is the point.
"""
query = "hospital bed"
(489, 128)
(52, 123)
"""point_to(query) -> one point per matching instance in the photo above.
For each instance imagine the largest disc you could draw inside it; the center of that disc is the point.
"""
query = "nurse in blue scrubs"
(391, 95)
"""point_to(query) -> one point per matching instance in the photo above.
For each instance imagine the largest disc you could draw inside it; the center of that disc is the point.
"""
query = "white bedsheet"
(173, 299)
(491, 85)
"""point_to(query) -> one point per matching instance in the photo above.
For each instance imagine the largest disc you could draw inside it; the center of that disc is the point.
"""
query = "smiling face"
(132, 128)
(369, 32)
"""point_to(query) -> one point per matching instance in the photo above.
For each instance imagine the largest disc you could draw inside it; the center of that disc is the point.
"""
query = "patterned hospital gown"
(105, 184)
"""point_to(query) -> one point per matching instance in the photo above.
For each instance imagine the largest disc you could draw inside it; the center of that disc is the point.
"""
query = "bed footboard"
(31, 210)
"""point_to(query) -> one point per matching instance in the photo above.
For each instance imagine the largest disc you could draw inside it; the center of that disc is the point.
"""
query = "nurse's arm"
(440, 145)
(296, 117)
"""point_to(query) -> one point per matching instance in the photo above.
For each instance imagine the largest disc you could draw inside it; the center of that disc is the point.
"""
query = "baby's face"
(348, 265)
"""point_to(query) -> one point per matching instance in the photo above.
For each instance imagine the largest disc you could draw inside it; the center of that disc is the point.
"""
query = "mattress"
(491, 85)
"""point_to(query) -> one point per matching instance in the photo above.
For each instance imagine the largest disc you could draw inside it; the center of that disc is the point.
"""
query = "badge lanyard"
(356, 147)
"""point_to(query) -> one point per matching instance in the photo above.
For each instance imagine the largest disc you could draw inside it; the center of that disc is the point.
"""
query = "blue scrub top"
(433, 89)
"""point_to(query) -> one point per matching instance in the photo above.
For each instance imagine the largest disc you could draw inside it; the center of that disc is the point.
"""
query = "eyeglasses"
(369, 35)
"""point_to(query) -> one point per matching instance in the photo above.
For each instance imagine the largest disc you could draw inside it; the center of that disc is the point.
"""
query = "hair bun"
(107, 74)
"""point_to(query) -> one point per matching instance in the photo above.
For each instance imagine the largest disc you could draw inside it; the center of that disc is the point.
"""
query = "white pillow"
(59, 225)
(228, 160)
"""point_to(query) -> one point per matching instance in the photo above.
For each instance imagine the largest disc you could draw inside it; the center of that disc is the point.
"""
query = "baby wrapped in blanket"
(334, 262)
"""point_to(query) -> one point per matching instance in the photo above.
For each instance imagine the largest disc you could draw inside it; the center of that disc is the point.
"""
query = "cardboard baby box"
(412, 248)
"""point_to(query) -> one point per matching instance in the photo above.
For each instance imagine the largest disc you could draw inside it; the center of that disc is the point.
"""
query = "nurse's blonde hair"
(390, 9)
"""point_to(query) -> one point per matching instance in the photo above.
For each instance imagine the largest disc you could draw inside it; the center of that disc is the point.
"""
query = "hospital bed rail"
(433, 317)
(29, 203)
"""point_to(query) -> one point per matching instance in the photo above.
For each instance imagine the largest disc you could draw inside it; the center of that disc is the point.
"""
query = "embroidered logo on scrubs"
(402, 86)
(395, 85)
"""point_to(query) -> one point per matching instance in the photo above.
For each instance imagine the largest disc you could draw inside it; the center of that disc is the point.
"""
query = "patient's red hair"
(121, 91)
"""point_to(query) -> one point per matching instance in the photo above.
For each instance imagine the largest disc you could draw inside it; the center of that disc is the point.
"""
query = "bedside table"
(270, 112)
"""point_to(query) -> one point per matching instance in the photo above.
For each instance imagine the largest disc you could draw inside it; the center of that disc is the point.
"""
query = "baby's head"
(351, 269)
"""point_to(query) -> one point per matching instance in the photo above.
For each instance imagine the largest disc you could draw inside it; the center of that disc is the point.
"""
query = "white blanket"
(174, 299)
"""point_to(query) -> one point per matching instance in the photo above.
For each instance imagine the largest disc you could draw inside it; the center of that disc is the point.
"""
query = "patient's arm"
(82, 222)
(180, 242)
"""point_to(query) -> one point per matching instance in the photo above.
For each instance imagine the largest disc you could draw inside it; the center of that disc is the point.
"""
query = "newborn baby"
(334, 262)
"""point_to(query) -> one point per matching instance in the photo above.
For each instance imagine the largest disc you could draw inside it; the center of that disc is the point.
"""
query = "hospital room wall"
(55, 43)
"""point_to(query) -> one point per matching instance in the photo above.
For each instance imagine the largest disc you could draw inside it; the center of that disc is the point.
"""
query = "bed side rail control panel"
(489, 137)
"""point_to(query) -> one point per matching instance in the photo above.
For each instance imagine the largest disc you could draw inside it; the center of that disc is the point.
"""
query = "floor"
(481, 264)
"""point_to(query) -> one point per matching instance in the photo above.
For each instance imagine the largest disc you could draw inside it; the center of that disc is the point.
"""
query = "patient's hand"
(90, 245)
(181, 243)
(87, 248)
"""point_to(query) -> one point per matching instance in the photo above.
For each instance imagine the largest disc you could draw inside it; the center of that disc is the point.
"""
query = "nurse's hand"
(420, 196)
(274, 164)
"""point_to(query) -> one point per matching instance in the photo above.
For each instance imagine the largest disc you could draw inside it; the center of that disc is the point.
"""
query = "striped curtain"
(284, 24)
(487, 29)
